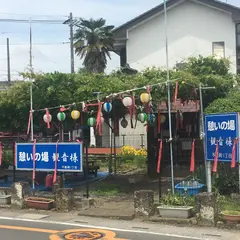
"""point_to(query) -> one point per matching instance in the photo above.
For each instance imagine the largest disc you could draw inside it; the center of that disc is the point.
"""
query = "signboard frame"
(221, 119)
(79, 165)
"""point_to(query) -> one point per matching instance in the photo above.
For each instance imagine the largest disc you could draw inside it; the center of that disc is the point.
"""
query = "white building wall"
(192, 28)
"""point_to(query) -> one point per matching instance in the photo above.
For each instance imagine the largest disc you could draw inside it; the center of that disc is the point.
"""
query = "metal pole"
(202, 134)
(169, 98)
(87, 183)
(71, 43)
(8, 61)
(31, 109)
(31, 70)
(239, 176)
(124, 135)
(111, 153)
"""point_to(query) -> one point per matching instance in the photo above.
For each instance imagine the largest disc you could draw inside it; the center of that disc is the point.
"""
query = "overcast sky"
(50, 41)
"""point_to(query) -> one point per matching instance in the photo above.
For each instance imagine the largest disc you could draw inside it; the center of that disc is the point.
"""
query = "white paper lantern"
(47, 118)
(127, 101)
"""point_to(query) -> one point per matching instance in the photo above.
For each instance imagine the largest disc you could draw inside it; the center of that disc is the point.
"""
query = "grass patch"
(233, 213)
(227, 204)
(106, 189)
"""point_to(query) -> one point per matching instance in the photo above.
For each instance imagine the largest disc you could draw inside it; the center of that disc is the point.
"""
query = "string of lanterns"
(107, 107)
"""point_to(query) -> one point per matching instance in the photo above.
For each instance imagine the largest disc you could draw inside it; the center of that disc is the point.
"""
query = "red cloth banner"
(56, 160)
(233, 163)
(0, 154)
(159, 156)
(34, 159)
(215, 159)
(29, 121)
(48, 118)
(99, 122)
(192, 163)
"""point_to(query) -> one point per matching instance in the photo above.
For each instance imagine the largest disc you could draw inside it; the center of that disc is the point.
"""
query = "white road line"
(100, 227)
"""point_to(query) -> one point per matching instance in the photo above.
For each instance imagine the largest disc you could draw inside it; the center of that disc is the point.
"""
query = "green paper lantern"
(142, 117)
(91, 122)
(61, 116)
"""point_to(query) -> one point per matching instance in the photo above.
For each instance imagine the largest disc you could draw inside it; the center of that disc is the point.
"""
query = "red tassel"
(192, 164)
(56, 160)
(215, 159)
(34, 159)
(29, 122)
(159, 156)
(175, 93)
(99, 123)
(0, 154)
(132, 109)
(48, 122)
(233, 163)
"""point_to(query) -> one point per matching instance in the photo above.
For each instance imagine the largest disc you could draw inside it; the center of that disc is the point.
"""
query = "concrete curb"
(110, 216)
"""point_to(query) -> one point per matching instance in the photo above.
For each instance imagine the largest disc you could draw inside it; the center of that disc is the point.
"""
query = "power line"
(34, 15)
(40, 43)
(43, 21)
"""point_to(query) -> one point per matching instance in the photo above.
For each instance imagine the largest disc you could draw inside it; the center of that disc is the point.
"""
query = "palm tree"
(93, 43)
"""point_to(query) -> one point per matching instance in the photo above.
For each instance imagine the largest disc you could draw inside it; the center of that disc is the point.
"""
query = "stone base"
(207, 209)
(144, 203)
(20, 191)
(64, 199)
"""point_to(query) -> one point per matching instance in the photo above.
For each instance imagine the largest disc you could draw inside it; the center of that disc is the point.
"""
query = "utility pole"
(169, 98)
(71, 42)
(31, 71)
(8, 61)
(202, 135)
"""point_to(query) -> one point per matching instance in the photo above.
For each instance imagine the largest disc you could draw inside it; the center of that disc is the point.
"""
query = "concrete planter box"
(5, 199)
(39, 203)
(175, 211)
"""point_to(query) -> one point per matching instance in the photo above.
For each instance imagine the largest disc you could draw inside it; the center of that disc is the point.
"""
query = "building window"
(218, 49)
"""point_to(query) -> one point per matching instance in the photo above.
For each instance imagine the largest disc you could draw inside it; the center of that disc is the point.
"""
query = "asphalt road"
(15, 229)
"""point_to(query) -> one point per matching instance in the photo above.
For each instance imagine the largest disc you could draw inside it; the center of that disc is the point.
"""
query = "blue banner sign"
(222, 129)
(69, 157)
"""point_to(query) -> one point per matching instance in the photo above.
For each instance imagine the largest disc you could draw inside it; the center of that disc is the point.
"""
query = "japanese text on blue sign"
(68, 157)
(221, 129)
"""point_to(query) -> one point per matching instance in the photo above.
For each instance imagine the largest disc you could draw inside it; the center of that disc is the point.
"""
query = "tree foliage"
(93, 43)
(224, 105)
(55, 89)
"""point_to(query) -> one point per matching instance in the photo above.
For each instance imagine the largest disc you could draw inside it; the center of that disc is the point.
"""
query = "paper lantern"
(127, 101)
(107, 106)
(75, 114)
(151, 118)
(124, 123)
(61, 116)
(47, 118)
(91, 122)
(142, 117)
(145, 98)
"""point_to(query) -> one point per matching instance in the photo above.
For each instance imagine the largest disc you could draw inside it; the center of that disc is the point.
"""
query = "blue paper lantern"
(151, 118)
(107, 106)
